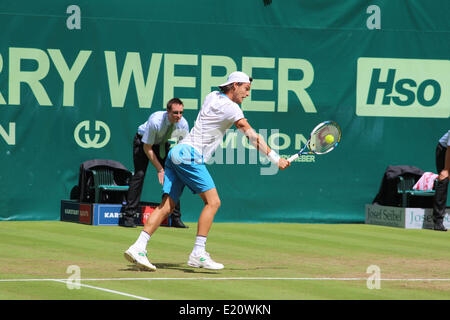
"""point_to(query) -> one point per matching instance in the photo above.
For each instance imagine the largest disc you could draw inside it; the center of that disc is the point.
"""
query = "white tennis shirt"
(217, 114)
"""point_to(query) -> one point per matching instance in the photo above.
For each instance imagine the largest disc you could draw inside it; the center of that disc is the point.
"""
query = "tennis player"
(185, 166)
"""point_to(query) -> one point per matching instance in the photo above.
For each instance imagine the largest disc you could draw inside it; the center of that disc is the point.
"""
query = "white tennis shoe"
(139, 257)
(203, 260)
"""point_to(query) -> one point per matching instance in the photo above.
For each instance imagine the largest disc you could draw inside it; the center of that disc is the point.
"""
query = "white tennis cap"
(236, 76)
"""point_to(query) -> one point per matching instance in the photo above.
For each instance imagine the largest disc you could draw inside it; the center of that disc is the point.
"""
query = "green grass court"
(262, 262)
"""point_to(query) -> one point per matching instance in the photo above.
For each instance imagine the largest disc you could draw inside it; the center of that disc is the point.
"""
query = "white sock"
(199, 246)
(141, 242)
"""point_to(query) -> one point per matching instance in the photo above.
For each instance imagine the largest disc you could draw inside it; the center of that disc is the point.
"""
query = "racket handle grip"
(292, 158)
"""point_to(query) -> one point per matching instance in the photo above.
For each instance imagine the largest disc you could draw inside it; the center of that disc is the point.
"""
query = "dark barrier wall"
(78, 77)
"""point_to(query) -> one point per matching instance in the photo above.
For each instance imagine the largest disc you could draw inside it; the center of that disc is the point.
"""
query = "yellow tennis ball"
(329, 139)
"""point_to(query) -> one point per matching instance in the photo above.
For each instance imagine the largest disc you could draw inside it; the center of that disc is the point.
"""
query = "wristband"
(162, 170)
(273, 157)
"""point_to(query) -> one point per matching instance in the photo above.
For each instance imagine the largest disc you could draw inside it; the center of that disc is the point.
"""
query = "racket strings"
(319, 143)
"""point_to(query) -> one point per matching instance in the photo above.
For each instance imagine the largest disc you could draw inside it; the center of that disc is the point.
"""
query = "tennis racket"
(324, 138)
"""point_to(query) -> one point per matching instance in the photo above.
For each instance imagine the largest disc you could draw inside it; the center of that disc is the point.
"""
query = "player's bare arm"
(258, 141)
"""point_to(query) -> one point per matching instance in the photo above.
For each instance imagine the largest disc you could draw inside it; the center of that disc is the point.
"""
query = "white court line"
(78, 284)
(230, 278)
(103, 289)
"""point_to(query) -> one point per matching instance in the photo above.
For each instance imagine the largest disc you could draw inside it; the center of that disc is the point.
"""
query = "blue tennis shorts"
(185, 167)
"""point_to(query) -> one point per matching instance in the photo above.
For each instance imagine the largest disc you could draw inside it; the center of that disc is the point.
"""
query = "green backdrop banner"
(77, 78)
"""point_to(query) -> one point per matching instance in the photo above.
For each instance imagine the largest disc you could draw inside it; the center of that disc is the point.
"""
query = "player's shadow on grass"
(172, 266)
(256, 268)
(183, 267)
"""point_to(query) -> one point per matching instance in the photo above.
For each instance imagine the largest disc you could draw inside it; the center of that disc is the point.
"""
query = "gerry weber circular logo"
(85, 141)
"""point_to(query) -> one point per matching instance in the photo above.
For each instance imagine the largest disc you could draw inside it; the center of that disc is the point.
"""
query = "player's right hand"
(283, 163)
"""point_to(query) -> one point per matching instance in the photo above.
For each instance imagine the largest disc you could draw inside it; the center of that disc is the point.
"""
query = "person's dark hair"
(228, 87)
(173, 101)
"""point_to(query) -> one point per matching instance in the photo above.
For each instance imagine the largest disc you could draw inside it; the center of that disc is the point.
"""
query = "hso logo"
(85, 141)
(403, 88)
